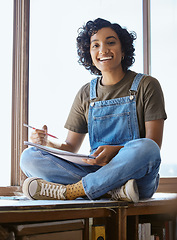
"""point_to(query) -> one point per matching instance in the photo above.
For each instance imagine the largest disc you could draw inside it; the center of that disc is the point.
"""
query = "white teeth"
(105, 58)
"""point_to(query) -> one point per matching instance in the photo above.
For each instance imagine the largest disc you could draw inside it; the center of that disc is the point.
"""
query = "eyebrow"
(106, 38)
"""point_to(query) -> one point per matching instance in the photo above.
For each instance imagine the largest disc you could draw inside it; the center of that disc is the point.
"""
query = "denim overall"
(114, 121)
(110, 122)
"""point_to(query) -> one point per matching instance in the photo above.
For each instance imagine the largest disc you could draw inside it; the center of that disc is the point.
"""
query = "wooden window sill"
(10, 191)
(167, 185)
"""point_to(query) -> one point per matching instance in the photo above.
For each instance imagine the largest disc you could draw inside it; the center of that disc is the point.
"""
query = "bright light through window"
(164, 62)
(6, 26)
(55, 75)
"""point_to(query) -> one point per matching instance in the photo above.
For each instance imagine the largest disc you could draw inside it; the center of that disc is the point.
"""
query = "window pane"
(55, 75)
(6, 26)
(164, 62)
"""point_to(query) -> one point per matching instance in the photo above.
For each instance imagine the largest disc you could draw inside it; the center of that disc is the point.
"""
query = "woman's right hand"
(39, 136)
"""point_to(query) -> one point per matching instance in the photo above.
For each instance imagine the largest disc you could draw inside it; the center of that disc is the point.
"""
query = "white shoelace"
(118, 193)
(55, 191)
(115, 194)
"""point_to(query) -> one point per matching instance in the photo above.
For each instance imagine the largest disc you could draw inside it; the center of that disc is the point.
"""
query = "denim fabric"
(112, 122)
(139, 159)
(37, 163)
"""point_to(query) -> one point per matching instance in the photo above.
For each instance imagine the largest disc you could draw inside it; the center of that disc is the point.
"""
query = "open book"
(69, 156)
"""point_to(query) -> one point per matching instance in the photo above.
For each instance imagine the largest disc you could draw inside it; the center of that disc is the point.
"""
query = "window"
(163, 64)
(55, 75)
(53, 52)
(6, 26)
(15, 46)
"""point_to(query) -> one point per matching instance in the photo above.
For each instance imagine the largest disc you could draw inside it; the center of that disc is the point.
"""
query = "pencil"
(50, 135)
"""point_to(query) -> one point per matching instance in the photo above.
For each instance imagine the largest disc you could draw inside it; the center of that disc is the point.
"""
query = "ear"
(123, 55)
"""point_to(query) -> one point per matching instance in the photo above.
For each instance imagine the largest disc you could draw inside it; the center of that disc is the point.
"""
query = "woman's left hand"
(103, 155)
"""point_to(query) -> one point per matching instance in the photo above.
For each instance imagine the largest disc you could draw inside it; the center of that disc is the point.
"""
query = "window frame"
(146, 37)
(168, 184)
(20, 86)
(20, 90)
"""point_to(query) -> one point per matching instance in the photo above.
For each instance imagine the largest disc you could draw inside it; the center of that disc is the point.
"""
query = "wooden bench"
(115, 215)
(161, 205)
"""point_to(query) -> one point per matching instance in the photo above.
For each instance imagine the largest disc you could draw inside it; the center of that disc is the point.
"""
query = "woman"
(124, 114)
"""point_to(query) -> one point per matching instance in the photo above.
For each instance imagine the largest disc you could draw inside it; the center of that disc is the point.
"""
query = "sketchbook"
(69, 156)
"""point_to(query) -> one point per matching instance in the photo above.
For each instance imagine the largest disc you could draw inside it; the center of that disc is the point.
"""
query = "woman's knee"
(144, 148)
(27, 158)
(151, 148)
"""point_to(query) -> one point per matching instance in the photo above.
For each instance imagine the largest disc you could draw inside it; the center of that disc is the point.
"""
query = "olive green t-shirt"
(149, 101)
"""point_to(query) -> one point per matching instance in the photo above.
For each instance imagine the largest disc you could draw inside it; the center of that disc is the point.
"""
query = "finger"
(39, 137)
(45, 129)
(98, 151)
(34, 135)
(93, 162)
(101, 159)
(96, 161)
(89, 161)
(40, 133)
(38, 141)
(35, 139)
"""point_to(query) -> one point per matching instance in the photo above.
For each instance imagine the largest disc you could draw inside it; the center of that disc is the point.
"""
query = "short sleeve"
(154, 105)
(77, 120)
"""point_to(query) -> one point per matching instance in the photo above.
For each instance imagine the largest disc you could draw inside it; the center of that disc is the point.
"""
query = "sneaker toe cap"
(33, 188)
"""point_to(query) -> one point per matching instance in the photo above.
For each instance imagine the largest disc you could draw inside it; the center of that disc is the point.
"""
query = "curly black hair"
(92, 27)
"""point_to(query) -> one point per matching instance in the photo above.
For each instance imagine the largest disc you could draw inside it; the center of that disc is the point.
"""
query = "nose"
(103, 49)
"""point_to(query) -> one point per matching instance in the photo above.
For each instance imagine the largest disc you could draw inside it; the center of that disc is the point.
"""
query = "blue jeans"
(139, 159)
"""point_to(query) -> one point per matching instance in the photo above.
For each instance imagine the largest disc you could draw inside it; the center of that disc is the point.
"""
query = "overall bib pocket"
(110, 129)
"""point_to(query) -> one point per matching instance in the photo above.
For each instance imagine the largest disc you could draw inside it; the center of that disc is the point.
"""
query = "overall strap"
(136, 82)
(93, 84)
(134, 87)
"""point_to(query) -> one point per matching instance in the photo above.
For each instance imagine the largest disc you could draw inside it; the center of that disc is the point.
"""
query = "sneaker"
(128, 192)
(39, 189)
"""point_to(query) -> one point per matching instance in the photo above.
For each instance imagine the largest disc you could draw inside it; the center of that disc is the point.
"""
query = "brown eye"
(111, 43)
(95, 46)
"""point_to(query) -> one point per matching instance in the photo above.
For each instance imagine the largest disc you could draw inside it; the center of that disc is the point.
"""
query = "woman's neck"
(111, 78)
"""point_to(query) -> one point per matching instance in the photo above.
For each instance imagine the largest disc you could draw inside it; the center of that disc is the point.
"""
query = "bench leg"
(116, 225)
(86, 229)
(122, 224)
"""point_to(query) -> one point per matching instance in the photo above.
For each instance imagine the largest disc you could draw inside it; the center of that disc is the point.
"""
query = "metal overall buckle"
(132, 94)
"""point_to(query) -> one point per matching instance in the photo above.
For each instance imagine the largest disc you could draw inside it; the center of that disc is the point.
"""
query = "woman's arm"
(154, 130)
(72, 143)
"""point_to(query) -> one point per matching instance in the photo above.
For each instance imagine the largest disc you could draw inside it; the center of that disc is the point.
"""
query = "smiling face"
(106, 51)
